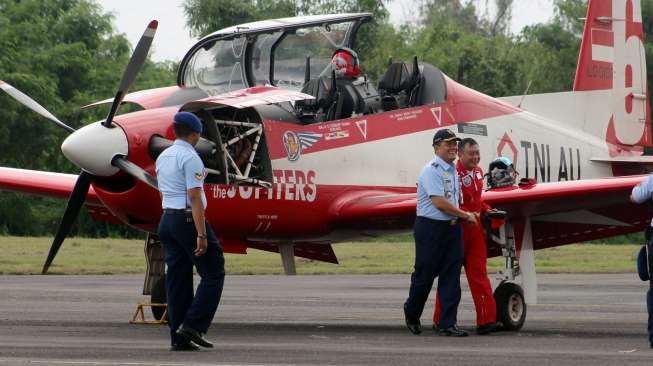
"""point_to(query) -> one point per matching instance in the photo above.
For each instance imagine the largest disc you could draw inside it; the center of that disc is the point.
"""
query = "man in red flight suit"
(475, 261)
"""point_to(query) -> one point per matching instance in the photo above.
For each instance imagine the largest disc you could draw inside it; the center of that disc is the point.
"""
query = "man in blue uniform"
(642, 193)
(188, 239)
(438, 238)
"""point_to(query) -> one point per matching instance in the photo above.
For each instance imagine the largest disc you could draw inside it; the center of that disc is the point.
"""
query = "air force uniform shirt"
(179, 169)
(643, 191)
(438, 178)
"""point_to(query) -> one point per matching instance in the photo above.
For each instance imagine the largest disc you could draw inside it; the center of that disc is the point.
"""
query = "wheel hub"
(516, 308)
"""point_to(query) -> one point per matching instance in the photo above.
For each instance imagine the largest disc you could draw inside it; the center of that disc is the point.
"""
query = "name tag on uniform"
(448, 186)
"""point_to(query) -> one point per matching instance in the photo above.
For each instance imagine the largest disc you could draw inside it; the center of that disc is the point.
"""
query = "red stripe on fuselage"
(462, 105)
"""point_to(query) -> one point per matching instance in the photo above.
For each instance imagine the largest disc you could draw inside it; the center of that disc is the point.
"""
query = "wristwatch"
(201, 236)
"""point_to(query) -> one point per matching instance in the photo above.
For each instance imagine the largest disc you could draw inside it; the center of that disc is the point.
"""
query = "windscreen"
(216, 68)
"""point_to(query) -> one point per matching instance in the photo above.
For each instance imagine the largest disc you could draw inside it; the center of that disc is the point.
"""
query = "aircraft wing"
(49, 184)
(40, 183)
(373, 210)
(560, 213)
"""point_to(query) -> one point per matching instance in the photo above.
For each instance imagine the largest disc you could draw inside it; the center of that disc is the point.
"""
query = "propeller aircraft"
(299, 160)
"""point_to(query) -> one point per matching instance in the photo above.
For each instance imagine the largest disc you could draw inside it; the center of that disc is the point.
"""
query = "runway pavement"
(318, 320)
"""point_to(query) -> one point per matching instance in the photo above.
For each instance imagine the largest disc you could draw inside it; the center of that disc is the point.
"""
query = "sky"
(173, 39)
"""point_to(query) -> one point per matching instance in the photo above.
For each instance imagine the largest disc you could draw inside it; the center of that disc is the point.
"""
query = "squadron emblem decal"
(467, 180)
(295, 142)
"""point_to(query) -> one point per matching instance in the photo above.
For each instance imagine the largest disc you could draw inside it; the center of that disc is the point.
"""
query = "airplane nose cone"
(92, 148)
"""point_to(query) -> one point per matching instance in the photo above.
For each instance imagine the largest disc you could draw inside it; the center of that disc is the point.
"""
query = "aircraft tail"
(612, 59)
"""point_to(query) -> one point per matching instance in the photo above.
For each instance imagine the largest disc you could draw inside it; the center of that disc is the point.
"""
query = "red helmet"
(345, 63)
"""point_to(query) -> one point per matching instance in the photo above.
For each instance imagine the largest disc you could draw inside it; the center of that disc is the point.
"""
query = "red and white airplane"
(299, 160)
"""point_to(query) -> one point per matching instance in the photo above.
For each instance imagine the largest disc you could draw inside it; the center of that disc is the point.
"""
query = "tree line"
(68, 53)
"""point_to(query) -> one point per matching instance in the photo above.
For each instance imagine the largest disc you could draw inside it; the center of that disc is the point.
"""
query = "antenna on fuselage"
(528, 87)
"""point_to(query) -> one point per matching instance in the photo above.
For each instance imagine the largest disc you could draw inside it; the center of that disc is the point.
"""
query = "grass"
(25, 255)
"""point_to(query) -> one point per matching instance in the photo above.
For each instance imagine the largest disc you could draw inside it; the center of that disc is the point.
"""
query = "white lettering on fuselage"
(288, 185)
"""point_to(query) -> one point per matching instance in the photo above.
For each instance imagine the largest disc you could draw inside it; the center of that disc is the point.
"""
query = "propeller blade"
(135, 171)
(32, 104)
(75, 203)
(135, 63)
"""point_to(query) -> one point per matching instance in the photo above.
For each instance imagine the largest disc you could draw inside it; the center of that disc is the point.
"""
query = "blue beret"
(189, 120)
(642, 265)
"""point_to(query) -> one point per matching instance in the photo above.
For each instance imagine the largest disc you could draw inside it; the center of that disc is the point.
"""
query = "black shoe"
(190, 346)
(453, 331)
(194, 336)
(414, 326)
(487, 328)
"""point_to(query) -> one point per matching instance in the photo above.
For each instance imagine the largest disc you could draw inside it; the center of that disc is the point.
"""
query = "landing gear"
(287, 252)
(155, 280)
(509, 296)
(158, 296)
(511, 307)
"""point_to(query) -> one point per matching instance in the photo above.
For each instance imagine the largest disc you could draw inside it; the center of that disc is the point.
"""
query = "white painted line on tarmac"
(116, 363)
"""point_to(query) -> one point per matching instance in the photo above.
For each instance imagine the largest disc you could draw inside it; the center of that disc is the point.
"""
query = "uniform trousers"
(475, 263)
(179, 238)
(438, 253)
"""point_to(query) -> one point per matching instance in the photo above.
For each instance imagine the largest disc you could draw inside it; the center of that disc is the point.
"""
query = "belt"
(451, 222)
(177, 211)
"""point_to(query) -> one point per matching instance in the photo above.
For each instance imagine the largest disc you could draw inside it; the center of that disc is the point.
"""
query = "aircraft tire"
(158, 296)
(511, 306)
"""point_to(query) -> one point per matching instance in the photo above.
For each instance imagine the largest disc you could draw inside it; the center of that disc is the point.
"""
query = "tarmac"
(589, 319)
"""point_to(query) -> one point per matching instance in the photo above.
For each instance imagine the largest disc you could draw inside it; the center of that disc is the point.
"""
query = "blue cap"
(444, 134)
(189, 120)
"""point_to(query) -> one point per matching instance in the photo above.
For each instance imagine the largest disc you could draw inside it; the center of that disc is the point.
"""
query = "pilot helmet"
(501, 173)
(345, 63)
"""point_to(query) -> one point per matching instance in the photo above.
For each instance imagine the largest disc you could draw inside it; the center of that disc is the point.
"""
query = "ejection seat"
(334, 99)
(400, 86)
(315, 110)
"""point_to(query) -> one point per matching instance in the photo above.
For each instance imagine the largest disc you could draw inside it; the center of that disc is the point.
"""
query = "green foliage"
(207, 16)
(64, 54)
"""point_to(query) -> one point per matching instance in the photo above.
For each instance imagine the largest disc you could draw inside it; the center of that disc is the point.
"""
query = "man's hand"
(470, 218)
(201, 247)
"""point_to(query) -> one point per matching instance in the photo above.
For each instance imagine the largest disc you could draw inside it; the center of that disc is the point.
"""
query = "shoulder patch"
(202, 175)
(467, 180)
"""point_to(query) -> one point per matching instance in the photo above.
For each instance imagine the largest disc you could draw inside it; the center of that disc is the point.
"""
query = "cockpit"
(293, 54)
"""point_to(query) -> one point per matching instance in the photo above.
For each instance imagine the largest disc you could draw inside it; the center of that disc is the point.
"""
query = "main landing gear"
(509, 296)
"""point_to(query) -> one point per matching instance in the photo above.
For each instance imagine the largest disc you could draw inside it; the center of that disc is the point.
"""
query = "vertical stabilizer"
(612, 57)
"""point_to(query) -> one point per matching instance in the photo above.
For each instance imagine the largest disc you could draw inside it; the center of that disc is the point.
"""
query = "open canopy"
(268, 52)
